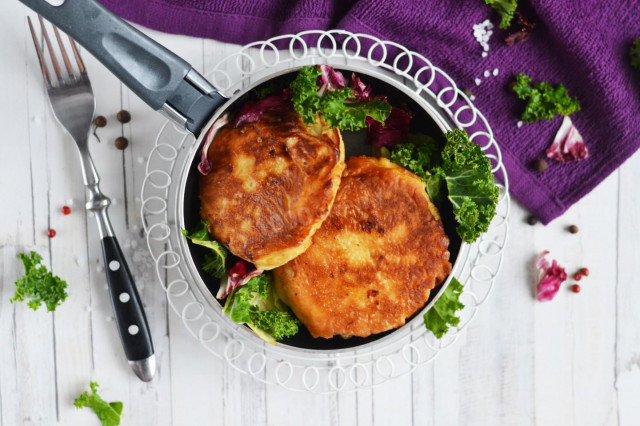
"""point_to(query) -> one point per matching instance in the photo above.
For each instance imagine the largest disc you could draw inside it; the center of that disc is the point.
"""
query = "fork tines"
(70, 74)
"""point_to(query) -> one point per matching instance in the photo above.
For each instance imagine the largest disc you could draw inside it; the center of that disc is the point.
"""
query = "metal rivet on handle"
(124, 297)
(133, 330)
(114, 265)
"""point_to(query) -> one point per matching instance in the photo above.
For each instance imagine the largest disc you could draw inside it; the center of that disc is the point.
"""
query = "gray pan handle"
(159, 77)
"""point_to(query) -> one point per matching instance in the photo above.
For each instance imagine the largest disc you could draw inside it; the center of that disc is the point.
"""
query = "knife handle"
(129, 314)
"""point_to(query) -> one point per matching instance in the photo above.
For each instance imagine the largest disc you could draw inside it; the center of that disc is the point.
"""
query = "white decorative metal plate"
(301, 369)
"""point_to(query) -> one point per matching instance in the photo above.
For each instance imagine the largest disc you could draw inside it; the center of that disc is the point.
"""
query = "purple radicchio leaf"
(395, 129)
(552, 276)
(331, 79)
(252, 111)
(568, 144)
(239, 274)
(204, 167)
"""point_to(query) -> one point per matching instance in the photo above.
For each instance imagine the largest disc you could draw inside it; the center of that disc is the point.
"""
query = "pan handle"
(159, 77)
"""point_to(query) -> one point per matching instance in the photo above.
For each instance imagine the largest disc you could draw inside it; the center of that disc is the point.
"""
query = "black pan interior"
(355, 144)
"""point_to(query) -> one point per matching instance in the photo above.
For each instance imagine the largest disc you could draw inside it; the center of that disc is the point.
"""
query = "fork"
(73, 105)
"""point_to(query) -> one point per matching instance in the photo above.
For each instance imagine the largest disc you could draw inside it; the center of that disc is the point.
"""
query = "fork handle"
(158, 76)
(127, 306)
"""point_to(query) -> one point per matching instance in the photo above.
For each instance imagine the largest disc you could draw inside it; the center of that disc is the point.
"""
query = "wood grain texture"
(573, 361)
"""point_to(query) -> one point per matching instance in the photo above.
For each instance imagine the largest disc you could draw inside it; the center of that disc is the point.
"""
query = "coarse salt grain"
(482, 33)
(486, 73)
(495, 72)
(140, 160)
(478, 81)
(473, 98)
(519, 124)
(99, 269)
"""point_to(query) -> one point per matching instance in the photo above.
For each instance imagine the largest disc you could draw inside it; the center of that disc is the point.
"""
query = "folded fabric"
(582, 44)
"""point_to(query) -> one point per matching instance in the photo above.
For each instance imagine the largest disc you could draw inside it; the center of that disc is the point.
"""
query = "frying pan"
(170, 85)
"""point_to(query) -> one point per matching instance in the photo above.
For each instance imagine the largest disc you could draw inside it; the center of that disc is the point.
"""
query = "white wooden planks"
(571, 361)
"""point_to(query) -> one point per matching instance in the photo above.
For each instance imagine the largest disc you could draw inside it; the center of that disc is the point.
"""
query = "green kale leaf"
(418, 155)
(304, 93)
(38, 285)
(505, 8)
(470, 183)
(634, 53)
(544, 101)
(333, 105)
(465, 169)
(442, 315)
(214, 261)
(257, 305)
(108, 413)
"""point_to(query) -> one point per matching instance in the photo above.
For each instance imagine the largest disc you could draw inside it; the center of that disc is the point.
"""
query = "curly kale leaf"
(38, 285)
(442, 315)
(544, 101)
(634, 53)
(470, 183)
(304, 93)
(108, 412)
(334, 106)
(257, 305)
(505, 8)
(214, 261)
(467, 173)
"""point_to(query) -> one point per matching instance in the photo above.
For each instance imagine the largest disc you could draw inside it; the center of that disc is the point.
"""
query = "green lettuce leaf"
(544, 101)
(214, 261)
(38, 285)
(257, 305)
(108, 413)
(442, 315)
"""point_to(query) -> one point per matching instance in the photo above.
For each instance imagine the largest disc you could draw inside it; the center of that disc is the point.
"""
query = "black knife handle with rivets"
(129, 314)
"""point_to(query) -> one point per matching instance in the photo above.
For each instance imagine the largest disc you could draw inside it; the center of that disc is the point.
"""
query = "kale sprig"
(38, 285)
(544, 101)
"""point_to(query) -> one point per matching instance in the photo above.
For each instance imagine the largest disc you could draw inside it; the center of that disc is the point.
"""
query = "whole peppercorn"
(51, 233)
(66, 210)
(532, 220)
(576, 288)
(123, 116)
(584, 271)
(573, 229)
(100, 121)
(121, 143)
(577, 276)
(512, 86)
(540, 165)
(467, 92)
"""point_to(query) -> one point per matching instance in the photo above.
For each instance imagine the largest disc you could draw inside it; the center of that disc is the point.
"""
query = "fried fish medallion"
(374, 261)
(272, 184)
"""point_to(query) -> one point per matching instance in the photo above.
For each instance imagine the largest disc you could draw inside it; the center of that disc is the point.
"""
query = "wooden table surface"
(572, 361)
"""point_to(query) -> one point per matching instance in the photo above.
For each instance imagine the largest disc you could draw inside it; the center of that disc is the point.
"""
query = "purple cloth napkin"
(583, 44)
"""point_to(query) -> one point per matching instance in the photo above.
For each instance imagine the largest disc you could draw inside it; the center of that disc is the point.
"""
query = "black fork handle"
(158, 76)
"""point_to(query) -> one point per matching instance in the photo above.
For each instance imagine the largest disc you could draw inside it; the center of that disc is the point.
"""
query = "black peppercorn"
(124, 116)
(540, 165)
(532, 220)
(121, 143)
(100, 121)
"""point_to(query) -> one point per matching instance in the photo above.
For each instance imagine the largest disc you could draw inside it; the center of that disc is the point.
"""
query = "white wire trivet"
(301, 369)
